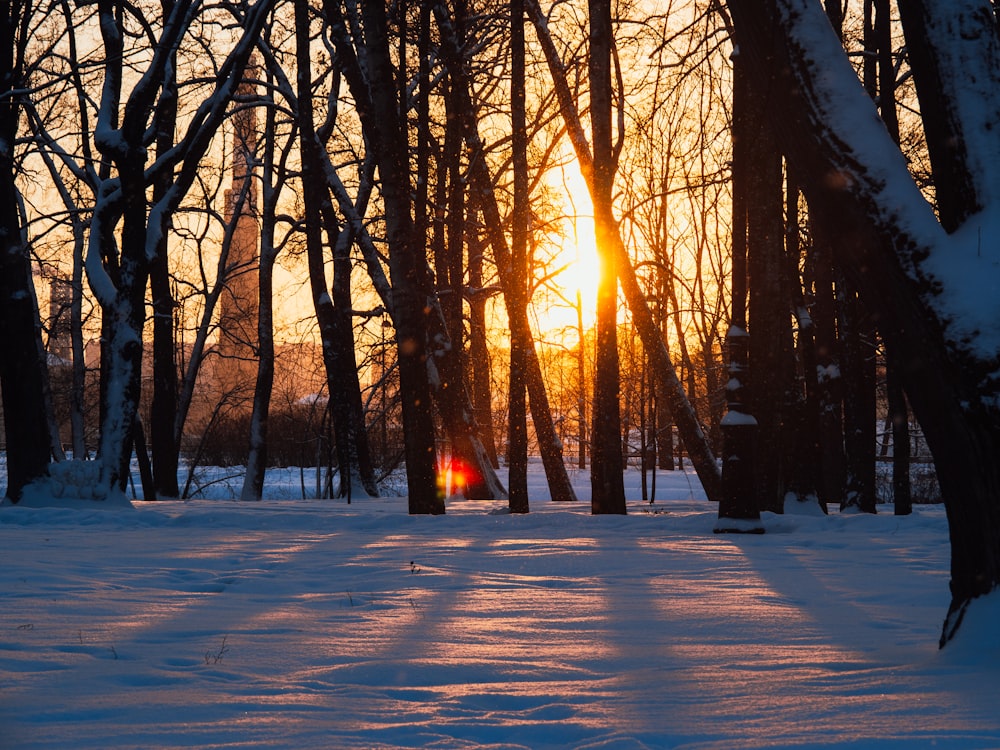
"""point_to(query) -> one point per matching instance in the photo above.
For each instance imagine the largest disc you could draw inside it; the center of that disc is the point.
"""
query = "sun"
(568, 295)
(567, 298)
(581, 271)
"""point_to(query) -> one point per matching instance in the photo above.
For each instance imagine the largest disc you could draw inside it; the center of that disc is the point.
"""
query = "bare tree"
(550, 446)
(119, 274)
(442, 360)
(689, 428)
(407, 269)
(274, 174)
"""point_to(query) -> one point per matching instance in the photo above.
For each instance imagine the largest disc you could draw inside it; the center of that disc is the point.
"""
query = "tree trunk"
(478, 353)
(827, 380)
(739, 509)
(857, 334)
(549, 444)
(410, 288)
(607, 486)
(253, 480)
(899, 418)
(882, 32)
(163, 441)
(353, 413)
(142, 459)
(858, 347)
(313, 193)
(770, 359)
(804, 447)
(77, 394)
(27, 435)
(688, 425)
(898, 410)
(517, 449)
(163, 411)
(664, 419)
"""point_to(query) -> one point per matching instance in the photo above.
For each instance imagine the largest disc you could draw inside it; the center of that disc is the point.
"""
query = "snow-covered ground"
(314, 624)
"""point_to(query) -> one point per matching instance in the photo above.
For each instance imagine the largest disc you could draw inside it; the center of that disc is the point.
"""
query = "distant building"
(238, 304)
(60, 344)
(228, 373)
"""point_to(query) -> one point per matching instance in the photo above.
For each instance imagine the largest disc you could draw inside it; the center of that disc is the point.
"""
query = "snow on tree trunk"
(927, 288)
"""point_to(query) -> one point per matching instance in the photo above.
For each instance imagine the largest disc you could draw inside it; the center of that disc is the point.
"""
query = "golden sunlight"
(572, 272)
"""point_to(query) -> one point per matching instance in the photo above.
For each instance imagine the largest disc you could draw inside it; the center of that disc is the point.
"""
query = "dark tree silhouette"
(607, 487)
(885, 237)
(21, 377)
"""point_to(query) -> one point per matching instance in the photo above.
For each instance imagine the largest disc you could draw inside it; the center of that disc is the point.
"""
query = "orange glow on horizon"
(574, 266)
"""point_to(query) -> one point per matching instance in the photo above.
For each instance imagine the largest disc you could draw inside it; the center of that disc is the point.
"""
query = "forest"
(757, 236)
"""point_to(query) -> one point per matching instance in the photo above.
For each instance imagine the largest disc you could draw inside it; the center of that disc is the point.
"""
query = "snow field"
(313, 624)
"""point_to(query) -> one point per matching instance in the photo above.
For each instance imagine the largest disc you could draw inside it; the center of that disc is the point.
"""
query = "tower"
(238, 304)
